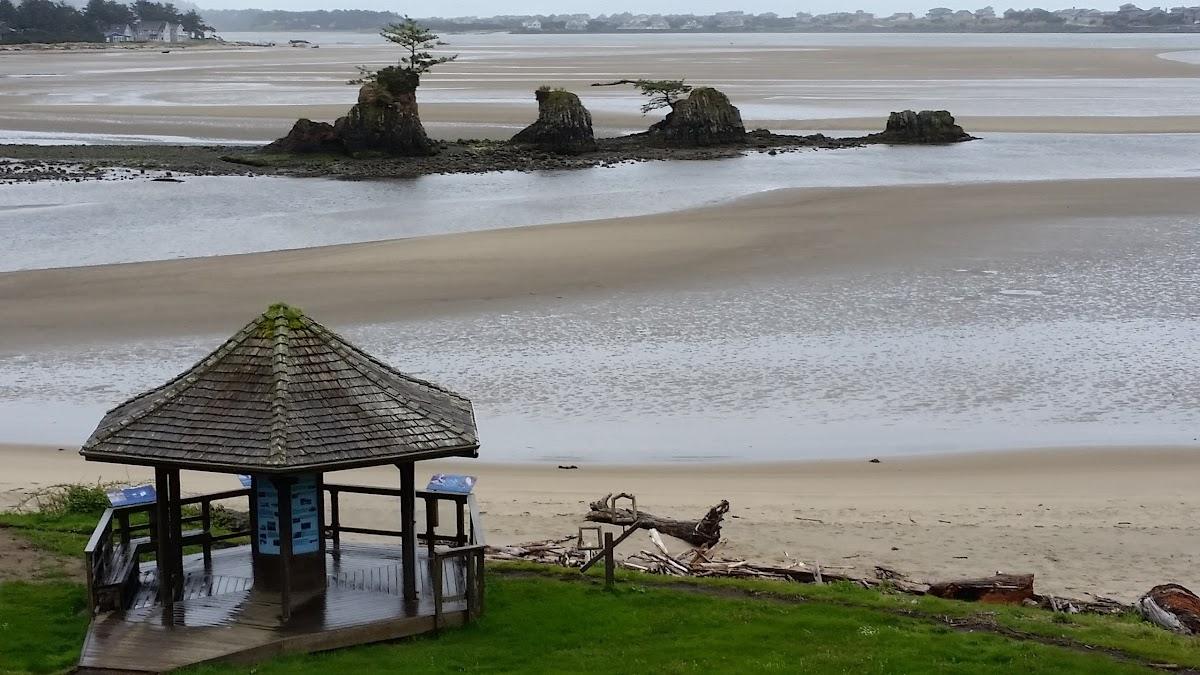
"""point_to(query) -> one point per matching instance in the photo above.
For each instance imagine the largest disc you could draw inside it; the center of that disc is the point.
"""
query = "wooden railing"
(464, 544)
(114, 552)
(118, 543)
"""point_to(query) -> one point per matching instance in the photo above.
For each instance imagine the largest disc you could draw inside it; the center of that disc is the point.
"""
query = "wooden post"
(206, 527)
(431, 523)
(610, 563)
(162, 538)
(408, 536)
(283, 488)
(335, 521)
(123, 520)
(435, 578)
(461, 522)
(176, 522)
(479, 577)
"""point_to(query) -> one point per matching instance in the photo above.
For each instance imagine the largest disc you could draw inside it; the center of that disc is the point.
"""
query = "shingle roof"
(286, 394)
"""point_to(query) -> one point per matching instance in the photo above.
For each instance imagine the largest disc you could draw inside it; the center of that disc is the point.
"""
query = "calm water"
(56, 224)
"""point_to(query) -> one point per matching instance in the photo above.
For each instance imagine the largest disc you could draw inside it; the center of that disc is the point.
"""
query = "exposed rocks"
(704, 118)
(563, 125)
(307, 136)
(384, 121)
(1173, 607)
(927, 126)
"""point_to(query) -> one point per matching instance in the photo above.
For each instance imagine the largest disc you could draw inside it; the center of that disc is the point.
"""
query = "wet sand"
(794, 232)
(1112, 522)
(255, 94)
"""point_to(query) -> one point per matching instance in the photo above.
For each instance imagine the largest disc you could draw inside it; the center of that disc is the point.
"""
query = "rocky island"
(381, 135)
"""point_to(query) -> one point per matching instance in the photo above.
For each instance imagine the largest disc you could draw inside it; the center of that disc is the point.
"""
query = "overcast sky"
(492, 7)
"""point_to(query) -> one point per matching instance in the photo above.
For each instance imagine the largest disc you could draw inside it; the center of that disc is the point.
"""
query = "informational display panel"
(268, 516)
(306, 528)
(306, 521)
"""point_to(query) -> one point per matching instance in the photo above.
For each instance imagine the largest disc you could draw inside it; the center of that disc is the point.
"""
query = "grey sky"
(490, 7)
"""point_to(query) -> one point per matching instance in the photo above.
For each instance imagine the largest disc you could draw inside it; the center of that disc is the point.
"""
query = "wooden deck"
(221, 617)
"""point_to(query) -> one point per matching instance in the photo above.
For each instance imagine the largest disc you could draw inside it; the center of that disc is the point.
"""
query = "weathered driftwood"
(703, 562)
(1009, 589)
(705, 531)
(1173, 607)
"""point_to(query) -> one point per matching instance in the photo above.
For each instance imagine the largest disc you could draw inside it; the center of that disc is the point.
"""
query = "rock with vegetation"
(927, 126)
(704, 118)
(385, 119)
(563, 125)
(307, 136)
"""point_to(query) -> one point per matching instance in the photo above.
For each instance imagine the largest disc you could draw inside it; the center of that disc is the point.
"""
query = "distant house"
(159, 31)
(691, 24)
(576, 24)
(901, 17)
(120, 33)
(532, 24)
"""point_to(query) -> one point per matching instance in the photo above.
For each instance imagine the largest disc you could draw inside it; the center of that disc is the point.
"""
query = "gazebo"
(280, 404)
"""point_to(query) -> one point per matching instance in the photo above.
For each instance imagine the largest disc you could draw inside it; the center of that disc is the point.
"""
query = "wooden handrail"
(102, 547)
(101, 533)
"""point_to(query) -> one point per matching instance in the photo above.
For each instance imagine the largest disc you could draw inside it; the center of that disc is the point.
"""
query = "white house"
(119, 33)
(159, 31)
(532, 24)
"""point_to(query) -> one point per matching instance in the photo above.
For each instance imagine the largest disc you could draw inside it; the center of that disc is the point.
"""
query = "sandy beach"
(1111, 522)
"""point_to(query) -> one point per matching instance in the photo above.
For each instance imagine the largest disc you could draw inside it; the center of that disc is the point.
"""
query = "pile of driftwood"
(1170, 606)
(705, 562)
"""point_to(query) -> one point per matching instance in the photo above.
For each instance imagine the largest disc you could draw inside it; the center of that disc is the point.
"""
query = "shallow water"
(69, 224)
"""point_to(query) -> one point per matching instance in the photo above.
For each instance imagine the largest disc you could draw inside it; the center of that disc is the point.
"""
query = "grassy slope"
(41, 626)
(548, 619)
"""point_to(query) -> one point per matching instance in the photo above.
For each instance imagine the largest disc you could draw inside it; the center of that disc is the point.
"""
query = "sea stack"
(927, 126)
(705, 117)
(308, 136)
(563, 125)
(385, 118)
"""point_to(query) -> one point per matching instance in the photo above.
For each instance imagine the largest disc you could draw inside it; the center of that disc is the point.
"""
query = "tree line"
(56, 21)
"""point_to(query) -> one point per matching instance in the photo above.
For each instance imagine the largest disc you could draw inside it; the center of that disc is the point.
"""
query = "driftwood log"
(1173, 607)
(705, 531)
(1007, 589)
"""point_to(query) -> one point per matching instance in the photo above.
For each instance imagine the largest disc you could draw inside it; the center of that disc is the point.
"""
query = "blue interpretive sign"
(130, 496)
(451, 482)
(306, 528)
(306, 516)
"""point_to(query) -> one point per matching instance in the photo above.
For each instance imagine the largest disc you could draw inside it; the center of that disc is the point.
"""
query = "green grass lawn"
(548, 620)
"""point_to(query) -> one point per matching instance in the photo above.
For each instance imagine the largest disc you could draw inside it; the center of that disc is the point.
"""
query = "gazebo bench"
(118, 581)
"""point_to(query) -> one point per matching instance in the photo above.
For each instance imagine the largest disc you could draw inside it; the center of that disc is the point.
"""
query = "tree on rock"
(385, 119)
(705, 117)
(659, 93)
